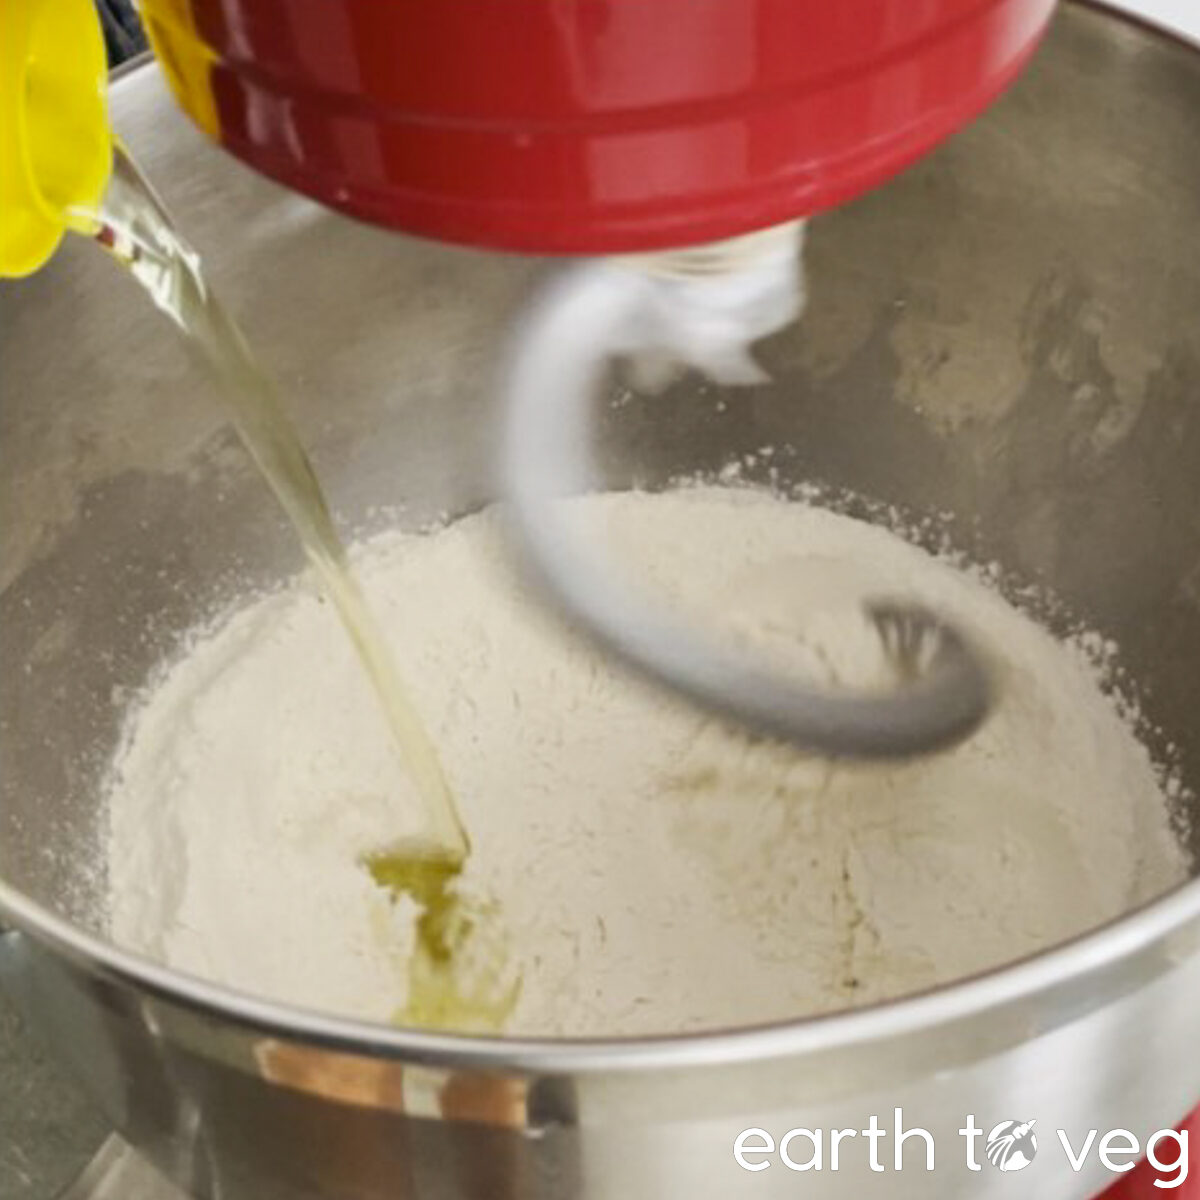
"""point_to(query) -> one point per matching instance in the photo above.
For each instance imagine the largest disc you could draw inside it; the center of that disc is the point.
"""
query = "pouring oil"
(452, 985)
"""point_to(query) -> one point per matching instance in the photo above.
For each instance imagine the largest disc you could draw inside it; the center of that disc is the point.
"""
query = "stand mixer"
(586, 128)
(599, 129)
(306, 103)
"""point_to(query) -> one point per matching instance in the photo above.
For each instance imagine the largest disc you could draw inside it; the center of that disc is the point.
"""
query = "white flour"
(656, 872)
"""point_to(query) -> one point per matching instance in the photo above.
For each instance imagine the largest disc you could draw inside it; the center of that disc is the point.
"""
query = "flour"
(655, 871)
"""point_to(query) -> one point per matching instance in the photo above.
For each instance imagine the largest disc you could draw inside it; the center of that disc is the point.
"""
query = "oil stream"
(134, 227)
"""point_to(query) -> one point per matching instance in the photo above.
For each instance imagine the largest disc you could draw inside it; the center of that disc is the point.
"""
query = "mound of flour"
(654, 869)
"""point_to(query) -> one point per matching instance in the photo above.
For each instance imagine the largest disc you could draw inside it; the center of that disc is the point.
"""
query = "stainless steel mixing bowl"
(1009, 333)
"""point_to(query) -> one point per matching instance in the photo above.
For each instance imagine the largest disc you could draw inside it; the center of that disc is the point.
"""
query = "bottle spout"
(56, 145)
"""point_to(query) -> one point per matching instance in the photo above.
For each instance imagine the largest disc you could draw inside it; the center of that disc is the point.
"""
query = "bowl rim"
(1089, 954)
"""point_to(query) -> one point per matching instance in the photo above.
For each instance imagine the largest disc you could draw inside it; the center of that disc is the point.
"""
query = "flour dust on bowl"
(999, 357)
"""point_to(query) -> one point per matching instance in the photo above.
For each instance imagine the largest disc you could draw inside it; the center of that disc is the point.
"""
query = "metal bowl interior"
(1005, 339)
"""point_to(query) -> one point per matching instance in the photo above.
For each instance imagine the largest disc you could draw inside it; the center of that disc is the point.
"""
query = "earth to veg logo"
(1009, 1146)
(1012, 1146)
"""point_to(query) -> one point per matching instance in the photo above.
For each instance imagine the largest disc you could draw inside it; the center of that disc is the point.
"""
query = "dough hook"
(700, 308)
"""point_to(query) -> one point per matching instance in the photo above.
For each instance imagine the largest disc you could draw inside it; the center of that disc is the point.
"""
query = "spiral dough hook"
(602, 309)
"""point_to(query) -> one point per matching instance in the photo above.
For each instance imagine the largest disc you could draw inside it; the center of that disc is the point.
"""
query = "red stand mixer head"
(587, 126)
